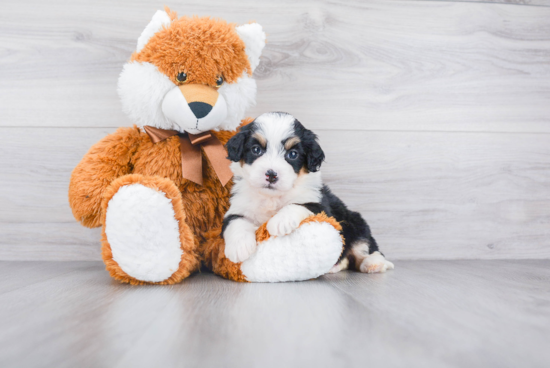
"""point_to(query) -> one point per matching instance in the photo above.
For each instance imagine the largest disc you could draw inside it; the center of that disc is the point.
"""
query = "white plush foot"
(240, 240)
(287, 219)
(143, 233)
(308, 252)
(374, 263)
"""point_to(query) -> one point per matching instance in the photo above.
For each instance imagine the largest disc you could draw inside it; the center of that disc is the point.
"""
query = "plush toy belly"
(306, 253)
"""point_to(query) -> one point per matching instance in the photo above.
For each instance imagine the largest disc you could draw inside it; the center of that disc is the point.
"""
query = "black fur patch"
(314, 155)
(316, 208)
(300, 160)
(354, 227)
(310, 155)
(239, 147)
(236, 145)
(228, 220)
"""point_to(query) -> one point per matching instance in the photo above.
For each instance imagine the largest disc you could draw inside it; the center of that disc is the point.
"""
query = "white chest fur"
(265, 208)
(258, 207)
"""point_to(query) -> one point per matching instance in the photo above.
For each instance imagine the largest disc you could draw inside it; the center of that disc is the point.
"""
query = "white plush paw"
(375, 263)
(240, 248)
(287, 219)
(143, 233)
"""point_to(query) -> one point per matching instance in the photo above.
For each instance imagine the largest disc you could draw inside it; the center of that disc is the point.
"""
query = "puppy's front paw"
(240, 248)
(375, 263)
(287, 219)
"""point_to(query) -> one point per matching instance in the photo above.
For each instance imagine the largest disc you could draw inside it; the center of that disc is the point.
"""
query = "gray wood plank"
(366, 65)
(450, 196)
(423, 314)
(425, 195)
(37, 164)
(49, 241)
(508, 2)
(468, 300)
(17, 275)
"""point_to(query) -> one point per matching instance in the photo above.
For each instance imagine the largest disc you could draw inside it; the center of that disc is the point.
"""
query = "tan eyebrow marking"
(291, 142)
(260, 138)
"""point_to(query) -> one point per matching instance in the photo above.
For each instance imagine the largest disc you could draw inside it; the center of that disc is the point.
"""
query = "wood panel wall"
(435, 115)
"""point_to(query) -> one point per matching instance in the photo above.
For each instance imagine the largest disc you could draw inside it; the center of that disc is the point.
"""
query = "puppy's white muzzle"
(257, 174)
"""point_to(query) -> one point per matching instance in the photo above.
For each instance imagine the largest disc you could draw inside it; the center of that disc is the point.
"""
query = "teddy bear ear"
(160, 19)
(254, 40)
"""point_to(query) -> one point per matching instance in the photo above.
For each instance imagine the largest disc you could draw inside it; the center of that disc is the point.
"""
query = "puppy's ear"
(314, 154)
(235, 146)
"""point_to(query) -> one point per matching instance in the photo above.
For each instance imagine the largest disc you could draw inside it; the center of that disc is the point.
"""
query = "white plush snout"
(177, 110)
(151, 98)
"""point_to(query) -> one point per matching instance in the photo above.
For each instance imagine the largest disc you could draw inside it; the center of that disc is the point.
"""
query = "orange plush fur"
(185, 49)
(130, 151)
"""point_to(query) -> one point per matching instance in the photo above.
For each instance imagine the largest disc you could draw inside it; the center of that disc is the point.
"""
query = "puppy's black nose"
(200, 109)
(271, 176)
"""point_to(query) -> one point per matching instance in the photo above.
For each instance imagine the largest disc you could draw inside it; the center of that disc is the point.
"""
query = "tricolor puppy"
(276, 162)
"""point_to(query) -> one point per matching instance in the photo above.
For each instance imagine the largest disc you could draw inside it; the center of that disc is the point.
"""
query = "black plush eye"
(181, 77)
(219, 81)
(292, 155)
(257, 150)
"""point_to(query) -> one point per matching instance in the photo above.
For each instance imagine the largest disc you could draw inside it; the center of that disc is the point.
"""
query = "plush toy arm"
(308, 252)
(105, 161)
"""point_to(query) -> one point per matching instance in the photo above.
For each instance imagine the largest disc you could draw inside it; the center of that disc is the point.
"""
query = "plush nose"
(271, 176)
(200, 98)
(200, 109)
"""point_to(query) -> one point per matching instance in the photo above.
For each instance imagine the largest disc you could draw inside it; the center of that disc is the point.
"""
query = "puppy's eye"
(257, 150)
(219, 81)
(292, 155)
(181, 77)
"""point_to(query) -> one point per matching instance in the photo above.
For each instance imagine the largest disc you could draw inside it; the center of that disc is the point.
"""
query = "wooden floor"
(423, 314)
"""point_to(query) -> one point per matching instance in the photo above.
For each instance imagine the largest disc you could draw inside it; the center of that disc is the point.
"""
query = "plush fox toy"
(161, 188)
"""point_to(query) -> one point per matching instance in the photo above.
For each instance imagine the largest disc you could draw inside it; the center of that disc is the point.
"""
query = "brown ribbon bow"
(191, 158)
